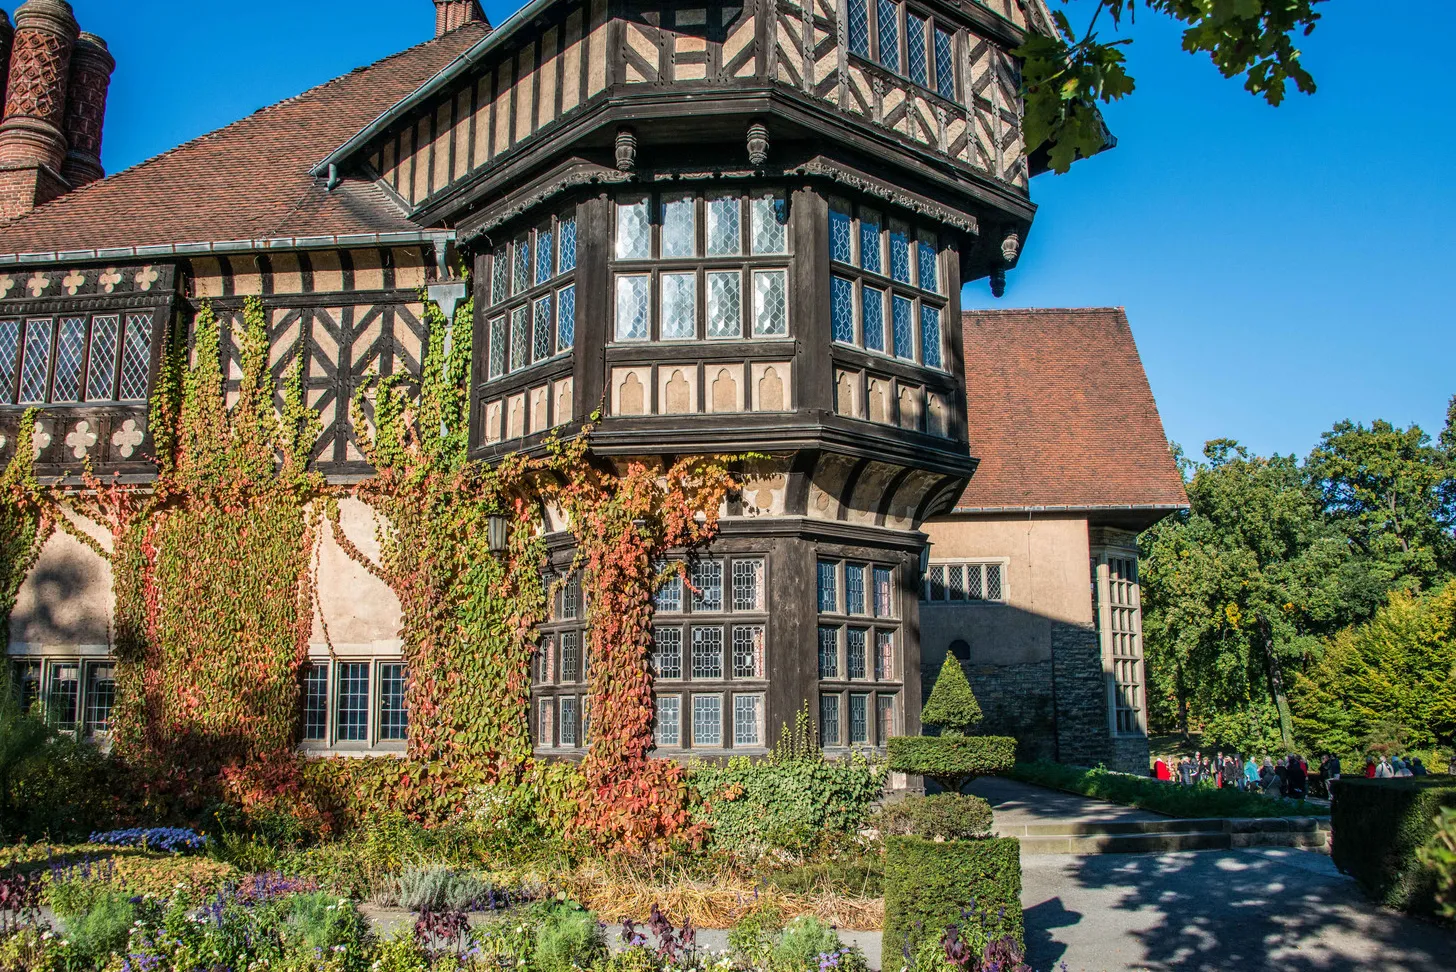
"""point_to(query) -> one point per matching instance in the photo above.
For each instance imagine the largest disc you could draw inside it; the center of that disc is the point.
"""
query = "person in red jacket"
(1161, 771)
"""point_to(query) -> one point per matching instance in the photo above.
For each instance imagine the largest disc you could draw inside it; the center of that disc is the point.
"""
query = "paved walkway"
(1017, 804)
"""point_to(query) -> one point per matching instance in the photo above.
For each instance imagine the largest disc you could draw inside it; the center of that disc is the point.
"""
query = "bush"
(1439, 855)
(51, 786)
(443, 889)
(1169, 798)
(808, 945)
(854, 876)
(1379, 825)
(929, 887)
(947, 816)
(952, 761)
(101, 929)
(952, 706)
(568, 938)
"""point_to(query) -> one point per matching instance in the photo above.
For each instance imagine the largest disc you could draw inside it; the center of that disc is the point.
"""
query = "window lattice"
(668, 731)
(101, 367)
(100, 698)
(828, 652)
(634, 232)
(874, 318)
(541, 346)
(707, 720)
(667, 652)
(725, 226)
(964, 582)
(929, 336)
(567, 231)
(725, 304)
(707, 581)
(520, 337)
(351, 709)
(136, 358)
(747, 720)
(570, 656)
(9, 360)
(829, 720)
(944, 64)
(841, 309)
(748, 585)
(70, 349)
(393, 720)
(748, 651)
(36, 366)
(869, 243)
(855, 651)
(915, 52)
(899, 253)
(707, 653)
(633, 307)
(859, 27)
(316, 702)
(566, 318)
(889, 27)
(545, 251)
(679, 228)
(904, 328)
(679, 306)
(859, 720)
(770, 225)
(770, 303)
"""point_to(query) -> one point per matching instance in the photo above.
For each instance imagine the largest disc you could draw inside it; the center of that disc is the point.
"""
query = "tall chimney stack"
(450, 14)
(32, 142)
(91, 67)
(7, 35)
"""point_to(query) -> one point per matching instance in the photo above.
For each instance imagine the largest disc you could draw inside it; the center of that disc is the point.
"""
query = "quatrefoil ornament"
(81, 439)
(128, 437)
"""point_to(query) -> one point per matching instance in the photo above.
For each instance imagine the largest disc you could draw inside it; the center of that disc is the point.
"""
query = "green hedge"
(1379, 825)
(951, 761)
(1170, 798)
(948, 816)
(929, 886)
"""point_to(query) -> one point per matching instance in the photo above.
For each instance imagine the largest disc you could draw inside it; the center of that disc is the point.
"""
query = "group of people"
(1289, 776)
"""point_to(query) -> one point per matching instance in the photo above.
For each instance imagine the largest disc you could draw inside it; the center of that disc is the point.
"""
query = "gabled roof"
(1061, 416)
(250, 180)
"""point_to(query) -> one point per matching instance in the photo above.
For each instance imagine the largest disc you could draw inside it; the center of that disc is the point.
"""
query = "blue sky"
(1282, 268)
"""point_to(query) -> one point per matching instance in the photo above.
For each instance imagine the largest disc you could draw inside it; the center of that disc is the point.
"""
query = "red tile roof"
(1061, 415)
(251, 179)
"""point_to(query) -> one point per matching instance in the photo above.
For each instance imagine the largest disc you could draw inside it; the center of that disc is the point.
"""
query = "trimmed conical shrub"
(952, 706)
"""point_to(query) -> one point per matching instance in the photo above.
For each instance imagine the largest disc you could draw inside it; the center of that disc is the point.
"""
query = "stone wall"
(1083, 735)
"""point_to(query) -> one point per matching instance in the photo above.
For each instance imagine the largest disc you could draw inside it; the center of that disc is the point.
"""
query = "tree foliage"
(1066, 75)
(952, 706)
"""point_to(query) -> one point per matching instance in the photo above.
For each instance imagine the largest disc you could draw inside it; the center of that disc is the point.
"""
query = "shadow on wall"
(1258, 909)
(65, 599)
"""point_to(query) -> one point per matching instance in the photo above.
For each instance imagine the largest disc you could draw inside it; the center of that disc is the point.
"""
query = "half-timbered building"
(728, 226)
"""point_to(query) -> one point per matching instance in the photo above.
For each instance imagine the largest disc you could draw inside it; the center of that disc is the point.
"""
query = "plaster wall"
(359, 609)
(66, 599)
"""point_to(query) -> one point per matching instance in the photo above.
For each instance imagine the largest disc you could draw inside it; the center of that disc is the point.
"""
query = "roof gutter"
(437, 238)
(1109, 508)
(447, 74)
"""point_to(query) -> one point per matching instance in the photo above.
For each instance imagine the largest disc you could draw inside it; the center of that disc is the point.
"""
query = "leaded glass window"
(855, 650)
(841, 235)
(545, 723)
(944, 64)
(667, 652)
(351, 703)
(497, 346)
(725, 304)
(707, 583)
(570, 656)
(520, 336)
(828, 652)
(679, 230)
(566, 229)
(828, 586)
(316, 702)
(748, 585)
(869, 242)
(668, 729)
(725, 233)
(634, 232)
(100, 697)
(707, 652)
(928, 264)
(873, 301)
(633, 307)
(884, 595)
(854, 589)
(541, 347)
(770, 303)
(747, 720)
(393, 720)
(886, 705)
(70, 349)
(899, 251)
(929, 336)
(829, 720)
(500, 281)
(859, 719)
(770, 227)
(748, 651)
(545, 250)
(566, 318)
(9, 360)
(904, 328)
(522, 277)
(841, 309)
(136, 358)
(707, 720)
(965, 581)
(889, 28)
(568, 722)
(884, 655)
(36, 366)
(669, 597)
(679, 294)
(63, 698)
(859, 27)
(101, 363)
(915, 61)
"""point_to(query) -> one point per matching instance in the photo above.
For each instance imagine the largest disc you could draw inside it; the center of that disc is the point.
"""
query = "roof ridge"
(1046, 310)
(81, 193)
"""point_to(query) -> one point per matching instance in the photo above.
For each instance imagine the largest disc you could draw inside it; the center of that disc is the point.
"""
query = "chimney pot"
(453, 14)
(91, 67)
(32, 142)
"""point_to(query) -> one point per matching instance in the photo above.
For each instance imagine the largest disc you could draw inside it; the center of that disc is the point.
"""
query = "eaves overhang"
(165, 251)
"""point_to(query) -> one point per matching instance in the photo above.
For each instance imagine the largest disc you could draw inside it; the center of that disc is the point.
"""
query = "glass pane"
(855, 650)
(944, 64)
(841, 309)
(828, 652)
(500, 281)
(497, 346)
(70, 345)
(928, 265)
(668, 731)
(770, 225)
(936, 584)
(884, 603)
(829, 720)
(36, 367)
(887, 717)
(725, 232)
(869, 242)
(900, 251)
(748, 585)
(929, 336)
(770, 303)
(541, 347)
(351, 713)
(707, 653)
(25, 682)
(570, 656)
(841, 235)
(679, 236)
(747, 714)
(100, 697)
(707, 583)
(889, 25)
(567, 259)
(667, 652)
(859, 720)
(993, 582)
(566, 318)
(904, 329)
(634, 233)
(915, 60)
(316, 702)
(748, 652)
(546, 723)
(725, 304)
(393, 721)
(956, 585)
(974, 590)
(101, 368)
(546, 660)
(522, 275)
(707, 720)
(632, 308)
(884, 655)
(669, 595)
(520, 335)
(136, 358)
(64, 696)
(9, 355)
(828, 586)
(545, 250)
(859, 28)
(854, 589)
(873, 300)
(568, 722)
(679, 306)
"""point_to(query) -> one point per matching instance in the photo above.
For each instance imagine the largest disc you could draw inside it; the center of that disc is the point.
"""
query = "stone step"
(1156, 843)
(1162, 836)
(1068, 828)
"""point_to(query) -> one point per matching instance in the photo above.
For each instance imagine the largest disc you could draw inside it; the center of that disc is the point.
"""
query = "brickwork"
(40, 68)
(1083, 733)
(91, 67)
(453, 14)
(1130, 754)
(7, 39)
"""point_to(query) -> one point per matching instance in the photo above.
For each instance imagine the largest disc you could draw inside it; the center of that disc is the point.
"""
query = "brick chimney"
(7, 35)
(91, 67)
(32, 141)
(450, 14)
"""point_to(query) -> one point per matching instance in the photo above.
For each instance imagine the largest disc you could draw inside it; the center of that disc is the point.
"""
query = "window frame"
(374, 740)
(903, 11)
(979, 564)
(123, 321)
(872, 680)
(499, 313)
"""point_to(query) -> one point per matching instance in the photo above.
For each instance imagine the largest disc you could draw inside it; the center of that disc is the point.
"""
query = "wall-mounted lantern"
(495, 534)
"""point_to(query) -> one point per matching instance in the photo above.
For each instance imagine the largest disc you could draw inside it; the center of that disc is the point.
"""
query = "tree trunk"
(1276, 685)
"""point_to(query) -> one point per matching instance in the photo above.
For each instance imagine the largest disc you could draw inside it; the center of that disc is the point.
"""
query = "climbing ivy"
(25, 520)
